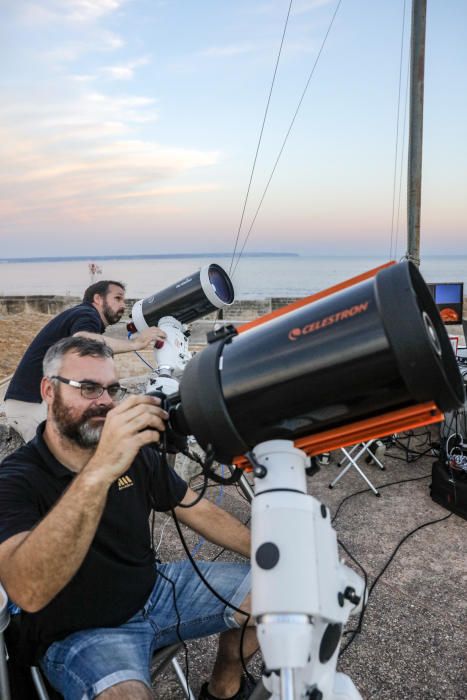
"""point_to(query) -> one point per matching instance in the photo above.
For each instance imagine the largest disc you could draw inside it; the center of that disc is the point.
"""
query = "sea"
(255, 276)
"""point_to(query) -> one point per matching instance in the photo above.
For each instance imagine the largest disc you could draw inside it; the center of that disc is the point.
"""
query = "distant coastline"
(161, 256)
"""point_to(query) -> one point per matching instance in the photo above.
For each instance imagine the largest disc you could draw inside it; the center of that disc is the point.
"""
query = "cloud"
(232, 50)
(305, 6)
(81, 159)
(298, 8)
(74, 11)
(76, 116)
(169, 190)
(125, 71)
(83, 78)
(89, 10)
(96, 41)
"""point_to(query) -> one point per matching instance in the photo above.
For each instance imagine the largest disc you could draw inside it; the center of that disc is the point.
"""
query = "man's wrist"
(94, 476)
(136, 343)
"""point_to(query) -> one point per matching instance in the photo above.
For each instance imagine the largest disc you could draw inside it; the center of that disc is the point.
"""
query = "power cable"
(287, 134)
(217, 502)
(179, 621)
(166, 489)
(383, 486)
(372, 587)
(143, 360)
(213, 591)
(260, 137)
(365, 588)
(140, 356)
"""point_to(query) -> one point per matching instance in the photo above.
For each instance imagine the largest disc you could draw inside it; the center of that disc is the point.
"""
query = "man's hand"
(148, 338)
(135, 422)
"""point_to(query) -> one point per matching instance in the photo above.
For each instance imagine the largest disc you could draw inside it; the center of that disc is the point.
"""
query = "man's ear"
(47, 390)
(98, 301)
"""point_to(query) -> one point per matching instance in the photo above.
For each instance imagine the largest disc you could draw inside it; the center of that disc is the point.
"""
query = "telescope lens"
(433, 336)
(221, 284)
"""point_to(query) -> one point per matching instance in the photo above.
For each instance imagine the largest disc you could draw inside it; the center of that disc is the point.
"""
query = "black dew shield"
(191, 298)
(377, 346)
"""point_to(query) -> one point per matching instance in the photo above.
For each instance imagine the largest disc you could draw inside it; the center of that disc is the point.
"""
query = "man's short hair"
(83, 347)
(100, 288)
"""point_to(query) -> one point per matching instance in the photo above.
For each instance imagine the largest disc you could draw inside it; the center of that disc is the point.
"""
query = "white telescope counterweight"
(302, 594)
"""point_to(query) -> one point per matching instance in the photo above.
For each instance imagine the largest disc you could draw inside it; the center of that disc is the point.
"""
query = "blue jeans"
(88, 662)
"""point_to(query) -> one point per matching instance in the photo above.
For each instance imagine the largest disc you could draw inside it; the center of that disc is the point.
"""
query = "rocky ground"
(412, 641)
(17, 331)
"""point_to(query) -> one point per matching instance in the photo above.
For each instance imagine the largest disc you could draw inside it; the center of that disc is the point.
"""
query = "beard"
(78, 430)
(111, 316)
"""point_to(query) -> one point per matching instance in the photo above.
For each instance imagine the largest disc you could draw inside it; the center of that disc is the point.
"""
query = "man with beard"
(76, 553)
(103, 305)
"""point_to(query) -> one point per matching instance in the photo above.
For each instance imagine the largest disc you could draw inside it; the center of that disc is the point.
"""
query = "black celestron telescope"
(361, 360)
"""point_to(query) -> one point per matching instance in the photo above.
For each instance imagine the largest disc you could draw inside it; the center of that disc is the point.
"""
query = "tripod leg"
(244, 486)
(353, 463)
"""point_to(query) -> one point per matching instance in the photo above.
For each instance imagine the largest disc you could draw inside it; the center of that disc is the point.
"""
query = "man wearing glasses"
(76, 553)
(103, 305)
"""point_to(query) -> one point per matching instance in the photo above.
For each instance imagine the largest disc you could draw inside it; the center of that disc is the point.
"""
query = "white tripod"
(301, 593)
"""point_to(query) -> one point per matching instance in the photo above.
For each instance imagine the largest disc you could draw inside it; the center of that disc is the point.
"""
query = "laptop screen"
(448, 294)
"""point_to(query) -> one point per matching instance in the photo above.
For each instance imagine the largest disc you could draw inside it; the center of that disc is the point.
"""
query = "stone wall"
(241, 310)
(44, 304)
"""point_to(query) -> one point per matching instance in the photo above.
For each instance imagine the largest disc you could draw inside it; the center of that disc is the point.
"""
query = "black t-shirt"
(25, 384)
(118, 572)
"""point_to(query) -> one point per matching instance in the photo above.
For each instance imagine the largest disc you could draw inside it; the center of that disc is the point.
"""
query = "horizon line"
(144, 256)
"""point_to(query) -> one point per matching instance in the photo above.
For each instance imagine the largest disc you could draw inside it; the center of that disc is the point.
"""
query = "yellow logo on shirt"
(124, 482)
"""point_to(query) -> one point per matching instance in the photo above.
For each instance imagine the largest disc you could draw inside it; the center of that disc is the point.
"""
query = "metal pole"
(414, 176)
(4, 683)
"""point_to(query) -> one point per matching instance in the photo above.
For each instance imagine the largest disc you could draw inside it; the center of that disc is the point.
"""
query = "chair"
(350, 460)
(35, 681)
(4, 622)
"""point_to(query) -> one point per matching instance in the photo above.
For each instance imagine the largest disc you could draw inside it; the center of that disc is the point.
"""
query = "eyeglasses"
(91, 390)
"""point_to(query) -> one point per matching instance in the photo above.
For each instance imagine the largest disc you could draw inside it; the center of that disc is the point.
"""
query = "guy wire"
(287, 134)
(260, 137)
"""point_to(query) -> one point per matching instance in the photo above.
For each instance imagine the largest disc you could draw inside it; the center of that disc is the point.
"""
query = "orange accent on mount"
(314, 297)
(363, 430)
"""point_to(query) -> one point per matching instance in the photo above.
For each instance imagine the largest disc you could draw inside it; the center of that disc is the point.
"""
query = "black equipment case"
(449, 488)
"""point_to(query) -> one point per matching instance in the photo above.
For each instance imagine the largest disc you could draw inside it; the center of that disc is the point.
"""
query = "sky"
(131, 126)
